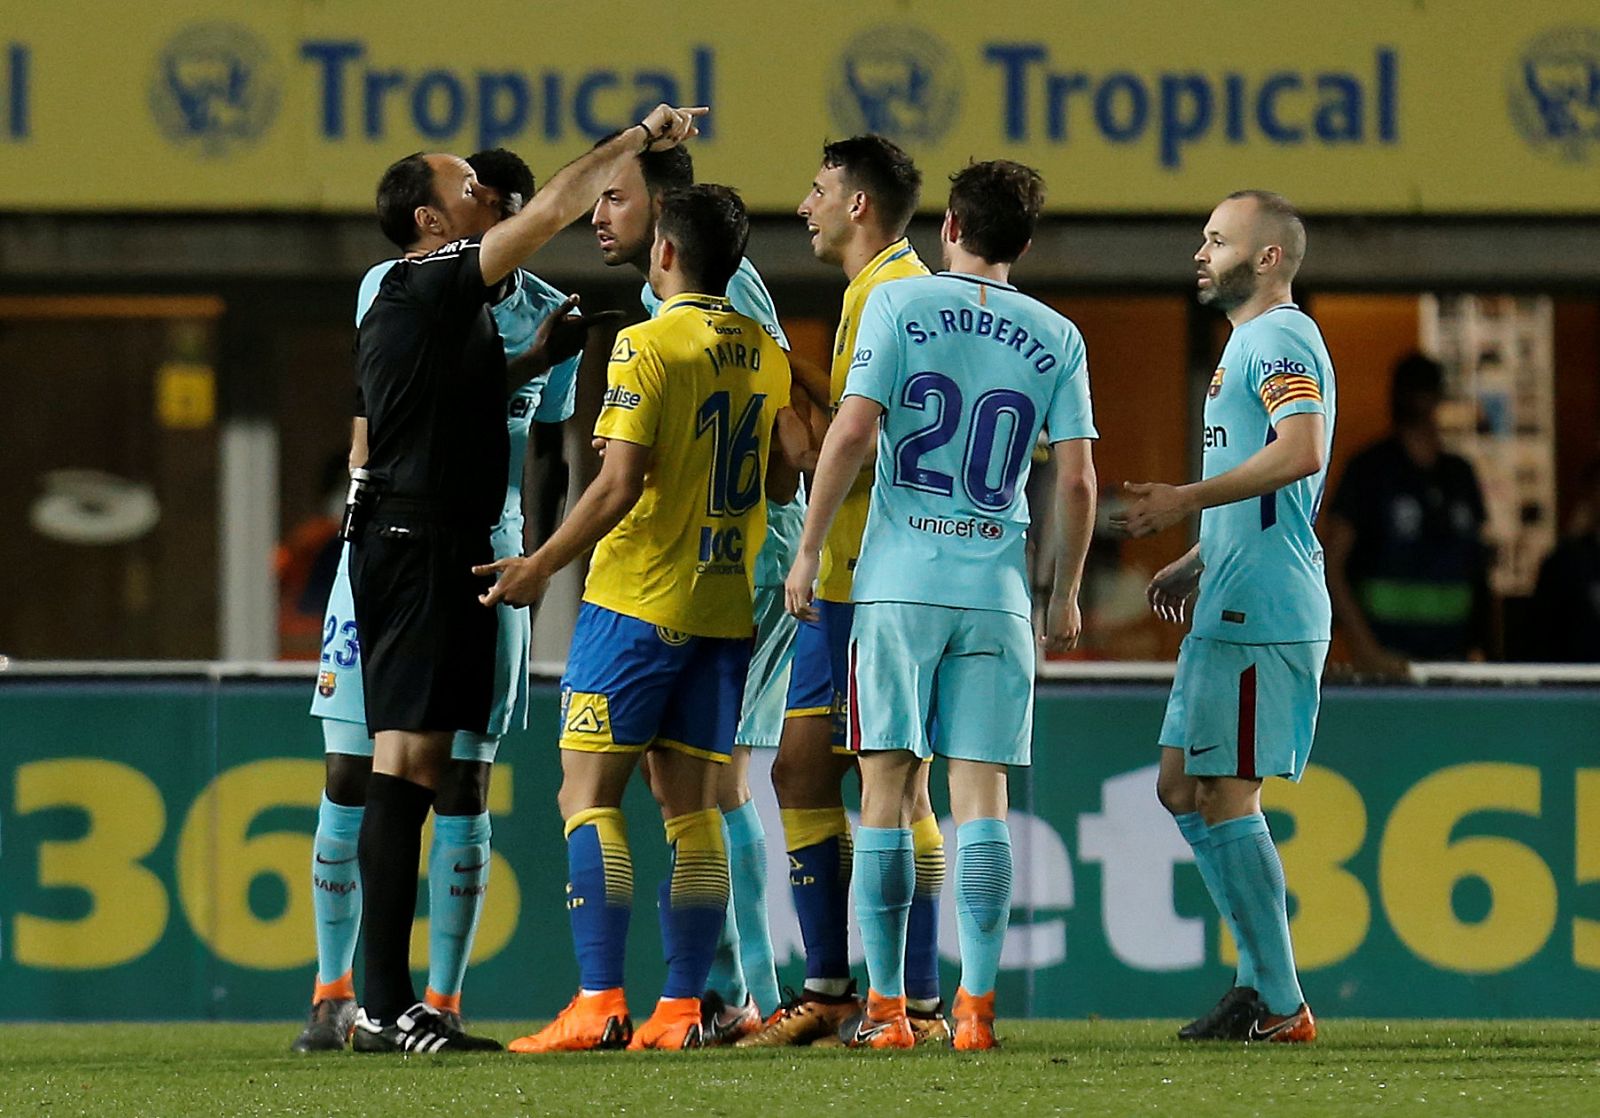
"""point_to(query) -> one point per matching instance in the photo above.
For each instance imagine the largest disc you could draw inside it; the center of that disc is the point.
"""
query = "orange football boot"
(1298, 1027)
(590, 1021)
(974, 1022)
(675, 1025)
(883, 1025)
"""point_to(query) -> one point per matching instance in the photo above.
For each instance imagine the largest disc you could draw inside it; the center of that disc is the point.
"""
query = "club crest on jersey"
(1216, 382)
(327, 684)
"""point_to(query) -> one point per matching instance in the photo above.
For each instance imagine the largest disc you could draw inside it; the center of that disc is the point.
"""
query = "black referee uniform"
(432, 373)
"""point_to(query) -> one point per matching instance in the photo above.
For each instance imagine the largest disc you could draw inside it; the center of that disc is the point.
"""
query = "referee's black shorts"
(427, 643)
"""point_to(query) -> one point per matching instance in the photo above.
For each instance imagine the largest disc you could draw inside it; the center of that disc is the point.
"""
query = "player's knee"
(464, 788)
(347, 776)
(1177, 792)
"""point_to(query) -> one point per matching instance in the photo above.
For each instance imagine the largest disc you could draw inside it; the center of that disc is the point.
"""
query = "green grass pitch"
(1545, 1068)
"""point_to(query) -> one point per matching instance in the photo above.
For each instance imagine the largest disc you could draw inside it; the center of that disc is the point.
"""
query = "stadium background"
(180, 236)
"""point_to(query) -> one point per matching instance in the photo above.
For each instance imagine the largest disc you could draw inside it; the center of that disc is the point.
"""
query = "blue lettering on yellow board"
(491, 106)
(16, 69)
(1287, 107)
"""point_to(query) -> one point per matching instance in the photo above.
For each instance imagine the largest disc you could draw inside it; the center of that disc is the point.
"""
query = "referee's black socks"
(389, 849)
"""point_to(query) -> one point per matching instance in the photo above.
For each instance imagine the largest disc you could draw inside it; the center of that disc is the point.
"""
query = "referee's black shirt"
(431, 370)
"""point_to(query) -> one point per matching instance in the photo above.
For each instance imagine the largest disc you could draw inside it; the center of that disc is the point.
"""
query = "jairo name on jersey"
(985, 324)
(961, 529)
(1216, 438)
(737, 354)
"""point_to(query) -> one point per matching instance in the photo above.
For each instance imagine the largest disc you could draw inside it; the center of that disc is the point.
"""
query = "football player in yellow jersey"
(663, 639)
(857, 210)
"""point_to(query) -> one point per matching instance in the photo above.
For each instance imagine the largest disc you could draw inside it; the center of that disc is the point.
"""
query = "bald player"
(1244, 700)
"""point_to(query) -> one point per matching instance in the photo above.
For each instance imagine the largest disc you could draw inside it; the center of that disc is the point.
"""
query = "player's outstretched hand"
(1173, 588)
(1153, 507)
(1063, 624)
(669, 127)
(521, 581)
(800, 588)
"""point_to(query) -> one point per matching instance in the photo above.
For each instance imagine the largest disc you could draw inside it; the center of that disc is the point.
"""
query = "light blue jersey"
(1263, 581)
(968, 371)
(750, 297)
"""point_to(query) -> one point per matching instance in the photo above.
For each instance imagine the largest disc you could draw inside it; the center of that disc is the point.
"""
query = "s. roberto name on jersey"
(980, 324)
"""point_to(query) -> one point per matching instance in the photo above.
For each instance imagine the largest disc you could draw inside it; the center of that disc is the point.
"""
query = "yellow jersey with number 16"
(701, 385)
(843, 546)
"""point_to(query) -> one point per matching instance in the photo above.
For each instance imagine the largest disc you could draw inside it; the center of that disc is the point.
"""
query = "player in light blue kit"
(953, 377)
(1244, 700)
(743, 986)
(458, 863)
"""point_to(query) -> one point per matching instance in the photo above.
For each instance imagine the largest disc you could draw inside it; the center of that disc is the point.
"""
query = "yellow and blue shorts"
(1244, 710)
(630, 685)
(819, 675)
(941, 680)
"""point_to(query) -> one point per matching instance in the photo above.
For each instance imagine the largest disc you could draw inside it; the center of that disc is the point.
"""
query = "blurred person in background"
(306, 562)
(1407, 567)
(1567, 601)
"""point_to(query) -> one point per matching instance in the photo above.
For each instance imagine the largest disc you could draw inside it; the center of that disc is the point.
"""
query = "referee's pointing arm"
(568, 195)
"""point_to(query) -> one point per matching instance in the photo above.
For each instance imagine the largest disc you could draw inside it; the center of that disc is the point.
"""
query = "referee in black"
(432, 377)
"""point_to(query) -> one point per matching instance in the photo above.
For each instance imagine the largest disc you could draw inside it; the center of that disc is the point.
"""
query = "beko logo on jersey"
(961, 529)
(1284, 365)
(619, 396)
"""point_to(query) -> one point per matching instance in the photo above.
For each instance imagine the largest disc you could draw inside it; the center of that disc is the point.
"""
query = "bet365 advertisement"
(1125, 105)
(1443, 856)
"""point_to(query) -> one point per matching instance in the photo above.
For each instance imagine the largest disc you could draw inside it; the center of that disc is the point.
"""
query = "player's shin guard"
(818, 842)
(1198, 836)
(885, 878)
(922, 929)
(694, 900)
(390, 844)
(727, 968)
(458, 878)
(599, 894)
(336, 890)
(747, 871)
(1252, 876)
(983, 900)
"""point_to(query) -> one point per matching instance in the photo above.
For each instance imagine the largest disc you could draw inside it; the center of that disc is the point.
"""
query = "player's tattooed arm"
(851, 437)
(1076, 491)
(1174, 586)
(1298, 451)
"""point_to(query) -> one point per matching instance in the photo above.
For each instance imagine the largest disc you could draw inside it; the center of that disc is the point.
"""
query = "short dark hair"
(1284, 224)
(883, 171)
(504, 172)
(709, 227)
(664, 169)
(1417, 384)
(407, 184)
(997, 206)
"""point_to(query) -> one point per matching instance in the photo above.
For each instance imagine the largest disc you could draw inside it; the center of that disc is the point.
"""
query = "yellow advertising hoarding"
(1126, 106)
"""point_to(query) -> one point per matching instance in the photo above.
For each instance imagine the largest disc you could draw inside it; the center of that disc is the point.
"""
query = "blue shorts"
(970, 671)
(1245, 710)
(819, 676)
(766, 689)
(340, 700)
(630, 685)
